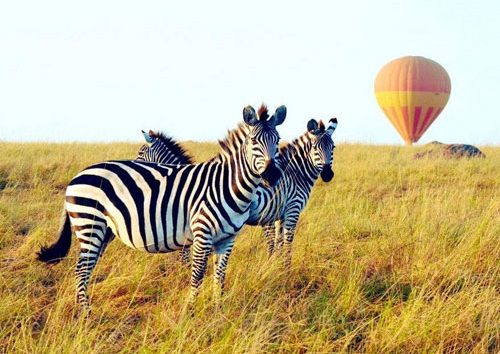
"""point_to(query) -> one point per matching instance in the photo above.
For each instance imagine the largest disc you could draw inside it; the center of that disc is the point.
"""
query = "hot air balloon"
(412, 92)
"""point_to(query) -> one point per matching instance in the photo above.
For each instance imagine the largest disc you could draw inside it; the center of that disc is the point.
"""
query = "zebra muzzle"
(327, 173)
(271, 174)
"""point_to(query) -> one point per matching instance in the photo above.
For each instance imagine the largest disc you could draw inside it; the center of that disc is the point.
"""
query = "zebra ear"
(332, 125)
(278, 116)
(249, 115)
(312, 126)
(148, 136)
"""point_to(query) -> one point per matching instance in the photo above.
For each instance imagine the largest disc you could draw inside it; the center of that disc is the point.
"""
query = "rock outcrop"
(450, 151)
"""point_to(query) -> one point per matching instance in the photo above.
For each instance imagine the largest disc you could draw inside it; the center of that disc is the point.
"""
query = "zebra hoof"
(190, 312)
(188, 309)
(83, 312)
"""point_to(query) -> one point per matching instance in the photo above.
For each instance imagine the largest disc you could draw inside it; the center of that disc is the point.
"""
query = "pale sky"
(104, 70)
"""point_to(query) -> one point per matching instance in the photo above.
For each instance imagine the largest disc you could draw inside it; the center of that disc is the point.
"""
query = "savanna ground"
(394, 255)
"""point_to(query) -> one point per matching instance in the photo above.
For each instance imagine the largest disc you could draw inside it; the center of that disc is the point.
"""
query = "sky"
(104, 70)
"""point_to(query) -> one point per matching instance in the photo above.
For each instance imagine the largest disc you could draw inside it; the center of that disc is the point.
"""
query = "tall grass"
(394, 255)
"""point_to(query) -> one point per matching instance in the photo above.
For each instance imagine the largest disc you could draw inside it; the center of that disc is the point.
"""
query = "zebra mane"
(262, 112)
(286, 151)
(289, 149)
(234, 139)
(174, 147)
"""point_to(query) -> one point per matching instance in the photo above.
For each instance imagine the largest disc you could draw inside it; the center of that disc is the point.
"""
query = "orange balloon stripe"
(416, 119)
(424, 121)
(399, 123)
(406, 121)
(390, 112)
(429, 122)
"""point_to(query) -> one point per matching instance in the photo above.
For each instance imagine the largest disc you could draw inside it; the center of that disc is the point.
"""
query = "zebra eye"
(253, 140)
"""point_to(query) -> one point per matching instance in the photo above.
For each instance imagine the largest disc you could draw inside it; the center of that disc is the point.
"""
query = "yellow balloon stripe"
(411, 113)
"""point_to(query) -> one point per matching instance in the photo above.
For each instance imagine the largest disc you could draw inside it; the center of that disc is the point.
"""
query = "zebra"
(162, 149)
(160, 208)
(276, 209)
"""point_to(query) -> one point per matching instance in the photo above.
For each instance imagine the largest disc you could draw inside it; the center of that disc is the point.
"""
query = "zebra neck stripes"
(295, 160)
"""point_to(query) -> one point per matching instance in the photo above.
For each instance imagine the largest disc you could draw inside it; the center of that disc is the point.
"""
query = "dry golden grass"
(394, 255)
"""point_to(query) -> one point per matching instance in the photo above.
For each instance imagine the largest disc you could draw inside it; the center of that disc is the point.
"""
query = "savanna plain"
(393, 255)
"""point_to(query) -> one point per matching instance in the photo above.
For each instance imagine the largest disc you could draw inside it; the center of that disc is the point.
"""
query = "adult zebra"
(160, 208)
(303, 161)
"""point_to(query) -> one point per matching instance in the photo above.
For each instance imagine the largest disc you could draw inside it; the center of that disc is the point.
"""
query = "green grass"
(394, 255)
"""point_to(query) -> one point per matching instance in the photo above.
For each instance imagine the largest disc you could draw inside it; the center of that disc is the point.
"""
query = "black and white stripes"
(162, 149)
(302, 162)
(161, 208)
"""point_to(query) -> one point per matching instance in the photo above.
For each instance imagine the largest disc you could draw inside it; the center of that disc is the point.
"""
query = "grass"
(394, 255)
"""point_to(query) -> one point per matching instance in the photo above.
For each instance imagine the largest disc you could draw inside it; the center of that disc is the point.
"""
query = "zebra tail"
(55, 253)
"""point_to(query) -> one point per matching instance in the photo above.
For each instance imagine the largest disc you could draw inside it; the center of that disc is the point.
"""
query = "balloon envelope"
(412, 92)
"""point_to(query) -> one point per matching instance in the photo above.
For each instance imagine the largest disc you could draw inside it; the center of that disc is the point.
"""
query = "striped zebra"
(162, 149)
(160, 208)
(276, 209)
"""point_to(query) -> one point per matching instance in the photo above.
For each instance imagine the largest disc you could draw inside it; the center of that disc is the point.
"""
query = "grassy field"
(394, 255)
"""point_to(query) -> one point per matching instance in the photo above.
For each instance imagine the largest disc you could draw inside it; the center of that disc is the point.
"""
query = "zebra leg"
(269, 234)
(108, 237)
(222, 253)
(185, 256)
(278, 238)
(289, 233)
(92, 246)
(201, 247)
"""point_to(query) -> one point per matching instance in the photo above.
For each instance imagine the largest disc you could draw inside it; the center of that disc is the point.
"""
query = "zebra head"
(261, 143)
(321, 153)
(145, 152)
(161, 148)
